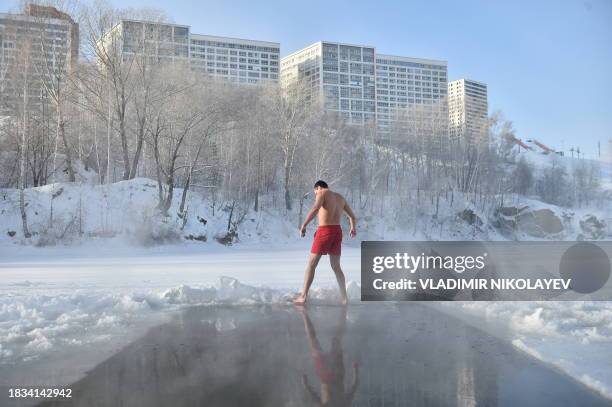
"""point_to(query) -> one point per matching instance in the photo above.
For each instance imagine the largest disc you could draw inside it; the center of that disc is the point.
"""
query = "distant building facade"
(409, 89)
(159, 42)
(232, 59)
(468, 110)
(365, 87)
(341, 75)
(35, 47)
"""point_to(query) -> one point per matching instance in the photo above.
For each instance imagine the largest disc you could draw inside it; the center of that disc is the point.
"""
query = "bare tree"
(122, 74)
(293, 108)
(175, 117)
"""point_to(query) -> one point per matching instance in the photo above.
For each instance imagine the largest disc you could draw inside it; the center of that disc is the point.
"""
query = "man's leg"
(335, 265)
(313, 260)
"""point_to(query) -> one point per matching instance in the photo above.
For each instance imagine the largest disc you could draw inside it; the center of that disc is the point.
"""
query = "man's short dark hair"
(321, 184)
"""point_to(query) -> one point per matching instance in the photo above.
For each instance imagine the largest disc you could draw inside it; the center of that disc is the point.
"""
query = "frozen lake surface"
(65, 310)
(366, 355)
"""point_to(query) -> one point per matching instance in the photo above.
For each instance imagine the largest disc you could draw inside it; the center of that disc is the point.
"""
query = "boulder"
(470, 217)
(199, 238)
(510, 210)
(592, 228)
(228, 239)
(539, 223)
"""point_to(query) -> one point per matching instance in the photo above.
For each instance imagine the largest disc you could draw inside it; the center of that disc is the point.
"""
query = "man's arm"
(352, 219)
(312, 212)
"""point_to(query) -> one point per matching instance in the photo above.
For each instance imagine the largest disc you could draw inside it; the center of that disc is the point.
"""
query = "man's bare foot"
(344, 301)
(299, 300)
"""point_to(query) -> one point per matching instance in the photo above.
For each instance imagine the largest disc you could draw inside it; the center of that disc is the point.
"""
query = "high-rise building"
(468, 110)
(233, 59)
(342, 75)
(365, 87)
(409, 89)
(38, 11)
(36, 47)
(160, 42)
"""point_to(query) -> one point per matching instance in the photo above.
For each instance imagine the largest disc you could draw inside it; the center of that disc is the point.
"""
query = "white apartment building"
(160, 42)
(343, 75)
(365, 87)
(468, 109)
(408, 87)
(234, 59)
(47, 40)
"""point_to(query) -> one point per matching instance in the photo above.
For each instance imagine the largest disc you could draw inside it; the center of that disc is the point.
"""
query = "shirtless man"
(328, 238)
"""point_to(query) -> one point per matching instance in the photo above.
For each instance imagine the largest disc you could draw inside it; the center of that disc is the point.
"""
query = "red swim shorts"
(327, 240)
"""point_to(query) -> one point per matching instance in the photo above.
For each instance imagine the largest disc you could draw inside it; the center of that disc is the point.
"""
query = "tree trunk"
(286, 185)
(184, 195)
(138, 152)
(124, 148)
(22, 172)
(61, 128)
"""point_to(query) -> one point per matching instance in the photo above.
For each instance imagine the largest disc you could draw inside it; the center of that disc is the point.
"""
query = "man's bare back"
(331, 209)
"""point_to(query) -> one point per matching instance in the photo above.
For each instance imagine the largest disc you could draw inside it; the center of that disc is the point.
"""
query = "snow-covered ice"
(54, 298)
(66, 298)
(572, 336)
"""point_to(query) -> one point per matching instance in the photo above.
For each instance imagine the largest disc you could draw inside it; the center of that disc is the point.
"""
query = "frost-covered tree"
(552, 184)
(522, 176)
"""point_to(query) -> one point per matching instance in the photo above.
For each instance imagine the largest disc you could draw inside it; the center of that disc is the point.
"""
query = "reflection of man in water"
(330, 367)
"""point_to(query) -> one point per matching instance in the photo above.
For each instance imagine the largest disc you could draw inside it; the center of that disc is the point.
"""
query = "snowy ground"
(69, 299)
(52, 298)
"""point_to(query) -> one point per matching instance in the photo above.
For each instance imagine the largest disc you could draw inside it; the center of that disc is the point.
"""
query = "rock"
(57, 193)
(228, 239)
(567, 216)
(592, 228)
(510, 210)
(470, 217)
(505, 219)
(539, 223)
(199, 238)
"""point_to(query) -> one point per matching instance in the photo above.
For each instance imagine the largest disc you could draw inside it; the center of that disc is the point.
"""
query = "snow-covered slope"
(541, 160)
(75, 213)
(67, 212)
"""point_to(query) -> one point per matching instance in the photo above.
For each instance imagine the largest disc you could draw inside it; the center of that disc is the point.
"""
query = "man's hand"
(352, 233)
(303, 231)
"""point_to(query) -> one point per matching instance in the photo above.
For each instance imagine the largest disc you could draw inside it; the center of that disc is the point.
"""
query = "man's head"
(319, 185)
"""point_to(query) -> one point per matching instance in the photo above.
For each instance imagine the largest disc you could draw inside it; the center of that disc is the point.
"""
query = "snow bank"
(574, 337)
(229, 291)
(32, 325)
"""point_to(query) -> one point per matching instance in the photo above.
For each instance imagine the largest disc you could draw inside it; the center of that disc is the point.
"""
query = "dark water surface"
(383, 354)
